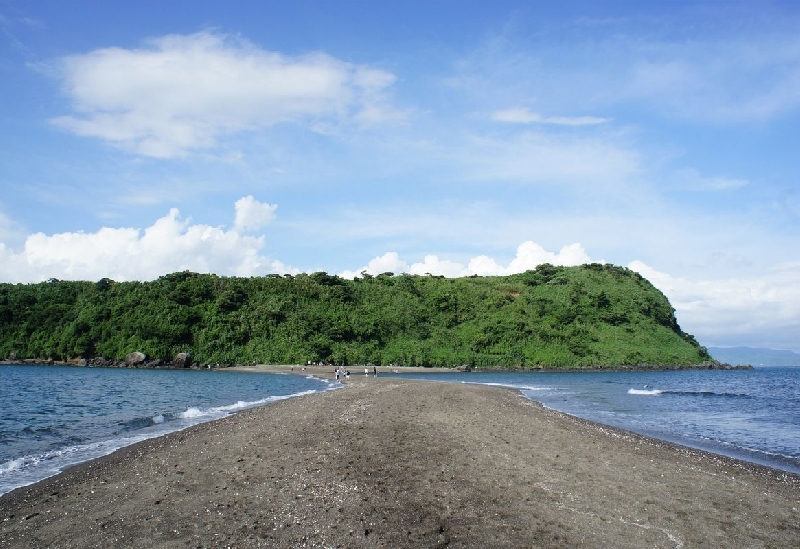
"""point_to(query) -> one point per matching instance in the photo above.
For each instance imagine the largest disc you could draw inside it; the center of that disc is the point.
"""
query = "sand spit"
(392, 463)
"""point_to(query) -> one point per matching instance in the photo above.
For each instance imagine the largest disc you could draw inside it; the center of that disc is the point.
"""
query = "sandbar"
(390, 462)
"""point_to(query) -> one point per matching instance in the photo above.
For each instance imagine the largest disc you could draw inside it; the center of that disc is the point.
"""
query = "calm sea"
(52, 417)
(752, 415)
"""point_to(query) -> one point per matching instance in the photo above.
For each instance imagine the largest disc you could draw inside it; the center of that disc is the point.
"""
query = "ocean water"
(753, 415)
(52, 417)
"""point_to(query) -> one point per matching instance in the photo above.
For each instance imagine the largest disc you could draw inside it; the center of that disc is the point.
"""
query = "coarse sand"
(390, 462)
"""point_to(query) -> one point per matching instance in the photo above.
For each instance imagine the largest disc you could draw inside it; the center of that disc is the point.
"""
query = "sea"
(52, 417)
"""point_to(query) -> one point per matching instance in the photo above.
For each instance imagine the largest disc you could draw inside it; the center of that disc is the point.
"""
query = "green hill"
(593, 315)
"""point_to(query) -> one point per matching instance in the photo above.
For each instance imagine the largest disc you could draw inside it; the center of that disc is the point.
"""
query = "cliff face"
(593, 315)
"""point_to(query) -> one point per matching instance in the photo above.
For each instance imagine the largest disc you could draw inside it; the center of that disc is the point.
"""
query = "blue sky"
(452, 138)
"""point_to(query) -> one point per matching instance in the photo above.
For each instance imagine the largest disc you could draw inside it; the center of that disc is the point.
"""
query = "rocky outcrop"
(135, 359)
(182, 360)
(178, 363)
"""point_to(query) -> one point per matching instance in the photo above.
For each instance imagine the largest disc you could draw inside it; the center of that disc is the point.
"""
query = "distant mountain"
(755, 356)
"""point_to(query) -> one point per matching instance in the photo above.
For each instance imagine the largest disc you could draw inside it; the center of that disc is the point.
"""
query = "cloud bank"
(529, 256)
(735, 311)
(181, 93)
(170, 244)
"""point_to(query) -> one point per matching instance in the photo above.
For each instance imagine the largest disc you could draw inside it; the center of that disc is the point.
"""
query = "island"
(590, 316)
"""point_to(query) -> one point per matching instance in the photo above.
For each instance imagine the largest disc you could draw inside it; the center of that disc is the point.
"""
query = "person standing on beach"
(374, 371)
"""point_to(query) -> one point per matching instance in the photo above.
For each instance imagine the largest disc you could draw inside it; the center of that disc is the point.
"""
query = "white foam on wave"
(520, 387)
(329, 383)
(191, 413)
(216, 412)
(13, 465)
(159, 419)
(517, 386)
(650, 392)
(33, 468)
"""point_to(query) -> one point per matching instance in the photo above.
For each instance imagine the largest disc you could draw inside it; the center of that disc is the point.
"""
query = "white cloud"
(529, 256)
(523, 115)
(434, 265)
(181, 93)
(252, 214)
(762, 311)
(483, 265)
(388, 262)
(168, 245)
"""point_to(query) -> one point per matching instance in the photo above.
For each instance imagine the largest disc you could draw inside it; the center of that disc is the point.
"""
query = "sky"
(443, 137)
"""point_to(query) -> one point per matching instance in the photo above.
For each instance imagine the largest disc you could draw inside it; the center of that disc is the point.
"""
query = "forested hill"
(593, 315)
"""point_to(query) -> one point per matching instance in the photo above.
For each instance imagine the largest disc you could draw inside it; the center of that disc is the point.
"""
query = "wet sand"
(390, 462)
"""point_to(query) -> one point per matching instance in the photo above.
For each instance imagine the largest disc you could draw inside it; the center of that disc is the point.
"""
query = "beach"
(389, 462)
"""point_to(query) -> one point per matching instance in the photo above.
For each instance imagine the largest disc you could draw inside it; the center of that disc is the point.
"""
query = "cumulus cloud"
(168, 245)
(523, 115)
(252, 214)
(529, 255)
(180, 93)
(763, 311)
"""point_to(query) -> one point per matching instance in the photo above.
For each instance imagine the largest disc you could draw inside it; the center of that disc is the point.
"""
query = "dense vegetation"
(592, 315)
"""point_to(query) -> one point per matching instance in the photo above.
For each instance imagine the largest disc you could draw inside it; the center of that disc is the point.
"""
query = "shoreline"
(326, 373)
(403, 463)
(166, 365)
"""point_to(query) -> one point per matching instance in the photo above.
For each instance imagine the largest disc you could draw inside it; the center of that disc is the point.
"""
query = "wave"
(195, 414)
(645, 391)
(221, 411)
(45, 431)
(656, 392)
(139, 423)
(518, 386)
(29, 469)
(711, 394)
